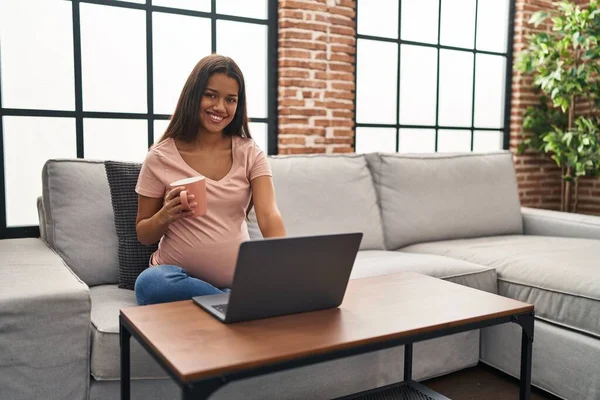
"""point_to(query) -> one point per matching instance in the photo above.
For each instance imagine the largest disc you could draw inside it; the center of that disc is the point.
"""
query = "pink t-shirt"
(207, 246)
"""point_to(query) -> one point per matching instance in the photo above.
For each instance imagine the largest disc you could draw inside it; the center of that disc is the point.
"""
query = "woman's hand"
(156, 214)
(173, 210)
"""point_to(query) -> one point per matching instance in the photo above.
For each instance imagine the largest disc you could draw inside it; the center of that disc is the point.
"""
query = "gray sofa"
(455, 217)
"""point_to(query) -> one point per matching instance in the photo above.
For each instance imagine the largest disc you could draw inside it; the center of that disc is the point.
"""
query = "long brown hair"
(185, 121)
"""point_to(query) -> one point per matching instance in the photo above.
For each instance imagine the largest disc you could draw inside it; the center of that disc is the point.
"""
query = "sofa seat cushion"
(374, 262)
(107, 300)
(561, 276)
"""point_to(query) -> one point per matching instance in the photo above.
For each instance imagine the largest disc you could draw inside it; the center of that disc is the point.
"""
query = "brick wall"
(538, 177)
(316, 76)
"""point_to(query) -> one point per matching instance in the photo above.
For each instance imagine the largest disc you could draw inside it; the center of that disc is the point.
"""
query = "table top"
(375, 309)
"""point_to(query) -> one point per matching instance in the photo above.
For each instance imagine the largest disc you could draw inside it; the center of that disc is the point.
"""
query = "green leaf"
(567, 138)
(538, 17)
(565, 65)
(564, 105)
(556, 160)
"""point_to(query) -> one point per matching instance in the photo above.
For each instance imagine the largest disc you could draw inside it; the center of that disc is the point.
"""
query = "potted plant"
(565, 65)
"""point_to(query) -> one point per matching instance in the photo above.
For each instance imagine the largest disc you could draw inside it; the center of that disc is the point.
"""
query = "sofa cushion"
(559, 275)
(326, 194)
(374, 263)
(440, 197)
(133, 256)
(79, 218)
(107, 300)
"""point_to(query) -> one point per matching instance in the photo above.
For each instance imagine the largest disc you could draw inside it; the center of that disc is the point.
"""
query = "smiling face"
(219, 103)
(213, 101)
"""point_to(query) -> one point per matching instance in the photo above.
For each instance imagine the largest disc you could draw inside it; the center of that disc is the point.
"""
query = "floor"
(481, 382)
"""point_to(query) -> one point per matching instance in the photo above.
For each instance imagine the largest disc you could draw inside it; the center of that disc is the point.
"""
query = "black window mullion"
(77, 76)
(173, 10)
(474, 72)
(355, 74)
(213, 25)
(509, 73)
(437, 78)
(272, 77)
(398, 84)
(431, 45)
(411, 126)
(2, 180)
(37, 113)
(113, 3)
(149, 73)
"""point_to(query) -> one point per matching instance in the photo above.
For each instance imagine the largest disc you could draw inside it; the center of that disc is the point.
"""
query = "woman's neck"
(212, 141)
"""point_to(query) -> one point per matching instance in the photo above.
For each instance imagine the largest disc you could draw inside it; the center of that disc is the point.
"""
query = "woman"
(208, 135)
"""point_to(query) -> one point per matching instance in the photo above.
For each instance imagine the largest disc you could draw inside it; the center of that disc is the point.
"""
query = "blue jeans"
(166, 283)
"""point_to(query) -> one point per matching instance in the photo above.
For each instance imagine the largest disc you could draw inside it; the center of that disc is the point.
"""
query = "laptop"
(281, 276)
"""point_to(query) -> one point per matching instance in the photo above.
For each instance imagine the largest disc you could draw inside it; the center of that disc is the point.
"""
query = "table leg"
(526, 322)
(201, 390)
(124, 337)
(408, 359)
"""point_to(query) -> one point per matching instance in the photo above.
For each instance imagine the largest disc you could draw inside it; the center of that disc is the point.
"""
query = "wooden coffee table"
(202, 354)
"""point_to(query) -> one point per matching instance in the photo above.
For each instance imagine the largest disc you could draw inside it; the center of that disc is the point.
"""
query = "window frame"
(436, 127)
(78, 114)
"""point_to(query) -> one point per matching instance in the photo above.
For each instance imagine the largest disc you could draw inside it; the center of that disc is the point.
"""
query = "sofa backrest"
(321, 194)
(395, 200)
(78, 218)
(433, 197)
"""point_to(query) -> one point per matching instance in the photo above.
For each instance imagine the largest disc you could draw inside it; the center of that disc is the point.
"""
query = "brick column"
(537, 175)
(316, 76)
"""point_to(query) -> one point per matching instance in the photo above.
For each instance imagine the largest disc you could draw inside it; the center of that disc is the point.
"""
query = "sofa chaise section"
(561, 276)
(482, 223)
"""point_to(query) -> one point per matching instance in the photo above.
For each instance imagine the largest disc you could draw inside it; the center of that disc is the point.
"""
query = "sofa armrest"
(556, 223)
(44, 324)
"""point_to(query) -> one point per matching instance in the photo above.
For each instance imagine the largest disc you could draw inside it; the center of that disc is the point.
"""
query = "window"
(431, 75)
(76, 76)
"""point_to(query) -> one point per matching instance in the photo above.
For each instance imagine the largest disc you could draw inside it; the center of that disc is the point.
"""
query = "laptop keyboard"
(221, 308)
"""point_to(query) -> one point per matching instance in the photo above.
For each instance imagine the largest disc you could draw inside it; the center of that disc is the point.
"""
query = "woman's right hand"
(173, 210)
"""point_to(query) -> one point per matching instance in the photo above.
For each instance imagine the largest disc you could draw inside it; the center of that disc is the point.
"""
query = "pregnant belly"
(213, 263)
